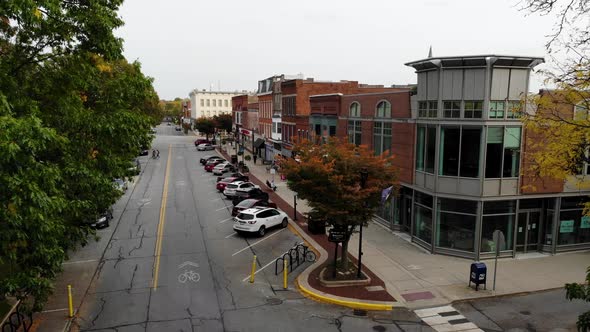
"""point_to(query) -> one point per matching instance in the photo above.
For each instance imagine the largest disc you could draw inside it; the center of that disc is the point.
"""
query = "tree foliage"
(327, 176)
(73, 115)
(206, 126)
(223, 122)
(575, 291)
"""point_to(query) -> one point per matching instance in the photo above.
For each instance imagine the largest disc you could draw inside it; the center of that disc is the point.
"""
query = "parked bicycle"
(306, 253)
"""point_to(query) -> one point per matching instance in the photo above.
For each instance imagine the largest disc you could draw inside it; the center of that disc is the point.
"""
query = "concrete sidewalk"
(418, 279)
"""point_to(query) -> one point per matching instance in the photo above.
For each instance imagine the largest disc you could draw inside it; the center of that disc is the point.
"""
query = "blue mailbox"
(478, 274)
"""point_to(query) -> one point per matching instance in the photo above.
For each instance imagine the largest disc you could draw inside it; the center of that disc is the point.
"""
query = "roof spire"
(430, 52)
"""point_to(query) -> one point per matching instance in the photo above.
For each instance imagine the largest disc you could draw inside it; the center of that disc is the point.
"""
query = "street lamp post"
(364, 176)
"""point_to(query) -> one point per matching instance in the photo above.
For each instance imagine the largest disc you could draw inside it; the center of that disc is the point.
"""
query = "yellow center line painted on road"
(160, 233)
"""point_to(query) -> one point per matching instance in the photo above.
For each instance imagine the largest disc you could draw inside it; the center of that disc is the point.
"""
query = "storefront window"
(423, 223)
(573, 228)
(497, 215)
(386, 210)
(456, 224)
(548, 231)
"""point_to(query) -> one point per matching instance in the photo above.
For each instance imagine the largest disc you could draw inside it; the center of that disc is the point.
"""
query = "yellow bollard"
(70, 305)
(253, 269)
(285, 273)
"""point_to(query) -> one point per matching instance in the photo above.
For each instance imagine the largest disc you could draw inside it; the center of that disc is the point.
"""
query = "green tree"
(224, 122)
(575, 291)
(73, 115)
(328, 177)
(205, 126)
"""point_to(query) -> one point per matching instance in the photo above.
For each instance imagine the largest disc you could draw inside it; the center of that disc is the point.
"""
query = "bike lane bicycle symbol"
(189, 275)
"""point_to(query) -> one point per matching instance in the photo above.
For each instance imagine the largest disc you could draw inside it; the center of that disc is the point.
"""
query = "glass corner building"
(468, 166)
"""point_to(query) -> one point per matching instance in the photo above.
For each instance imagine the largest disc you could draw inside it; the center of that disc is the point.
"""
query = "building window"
(225, 103)
(422, 109)
(514, 110)
(425, 149)
(214, 102)
(208, 104)
(432, 109)
(455, 224)
(473, 109)
(573, 225)
(496, 109)
(503, 152)
(459, 151)
(202, 102)
(354, 132)
(427, 109)
(422, 217)
(382, 138)
(219, 103)
(383, 110)
(355, 110)
(497, 215)
(289, 105)
(449, 151)
(470, 152)
(452, 109)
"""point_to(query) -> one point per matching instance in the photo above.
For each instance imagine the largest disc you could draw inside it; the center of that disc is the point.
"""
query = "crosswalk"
(446, 319)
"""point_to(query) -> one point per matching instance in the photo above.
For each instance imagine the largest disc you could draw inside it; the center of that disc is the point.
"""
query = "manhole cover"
(359, 312)
(379, 328)
(273, 301)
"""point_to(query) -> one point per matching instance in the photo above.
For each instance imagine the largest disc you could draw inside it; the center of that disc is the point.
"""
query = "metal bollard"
(253, 270)
(70, 304)
(285, 273)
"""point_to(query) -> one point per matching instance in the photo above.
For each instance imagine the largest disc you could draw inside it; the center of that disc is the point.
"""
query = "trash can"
(234, 159)
(478, 274)
(316, 225)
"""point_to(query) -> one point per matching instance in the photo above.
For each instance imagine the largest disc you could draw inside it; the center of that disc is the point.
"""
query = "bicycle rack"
(17, 321)
(296, 257)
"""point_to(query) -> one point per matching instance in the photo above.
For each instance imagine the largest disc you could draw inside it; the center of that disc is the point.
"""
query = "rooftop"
(476, 61)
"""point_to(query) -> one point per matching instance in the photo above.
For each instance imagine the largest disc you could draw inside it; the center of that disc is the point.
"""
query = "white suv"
(259, 219)
(230, 189)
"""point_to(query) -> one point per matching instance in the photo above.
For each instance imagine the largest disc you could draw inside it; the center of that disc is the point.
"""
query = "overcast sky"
(231, 44)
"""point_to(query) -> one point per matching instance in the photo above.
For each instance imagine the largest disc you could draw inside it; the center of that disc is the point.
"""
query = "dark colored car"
(250, 203)
(201, 141)
(212, 163)
(178, 128)
(144, 152)
(224, 182)
(208, 157)
(255, 193)
(102, 220)
(237, 175)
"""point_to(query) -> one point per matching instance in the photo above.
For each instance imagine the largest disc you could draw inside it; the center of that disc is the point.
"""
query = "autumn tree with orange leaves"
(328, 177)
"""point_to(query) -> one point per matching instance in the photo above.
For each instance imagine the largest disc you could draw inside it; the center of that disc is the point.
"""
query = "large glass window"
(382, 137)
(449, 151)
(470, 152)
(503, 152)
(473, 109)
(423, 217)
(452, 109)
(427, 109)
(355, 110)
(497, 215)
(214, 102)
(383, 110)
(425, 149)
(573, 228)
(202, 102)
(496, 109)
(432, 109)
(456, 224)
(354, 132)
(514, 110)
(422, 109)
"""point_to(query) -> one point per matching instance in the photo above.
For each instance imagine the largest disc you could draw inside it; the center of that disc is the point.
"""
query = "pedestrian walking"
(255, 157)
(157, 154)
(154, 154)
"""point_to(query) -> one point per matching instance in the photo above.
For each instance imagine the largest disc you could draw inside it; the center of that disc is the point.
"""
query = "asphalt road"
(173, 262)
(542, 311)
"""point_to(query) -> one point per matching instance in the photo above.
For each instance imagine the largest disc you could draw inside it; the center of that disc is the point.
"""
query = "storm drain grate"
(379, 328)
(360, 312)
(274, 301)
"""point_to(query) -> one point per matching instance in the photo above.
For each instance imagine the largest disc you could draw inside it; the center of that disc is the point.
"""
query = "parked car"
(224, 182)
(239, 176)
(256, 193)
(258, 220)
(120, 184)
(250, 203)
(178, 128)
(212, 163)
(230, 189)
(223, 168)
(205, 147)
(201, 141)
(103, 219)
(144, 152)
(208, 157)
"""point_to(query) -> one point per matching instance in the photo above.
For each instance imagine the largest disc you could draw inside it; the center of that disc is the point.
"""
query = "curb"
(345, 303)
(504, 295)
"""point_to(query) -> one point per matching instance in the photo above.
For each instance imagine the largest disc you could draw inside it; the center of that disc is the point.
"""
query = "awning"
(258, 143)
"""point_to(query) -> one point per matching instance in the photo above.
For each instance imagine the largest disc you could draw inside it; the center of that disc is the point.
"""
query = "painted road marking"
(226, 220)
(257, 242)
(232, 234)
(223, 208)
(446, 319)
(215, 200)
(78, 262)
(160, 233)
(54, 310)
